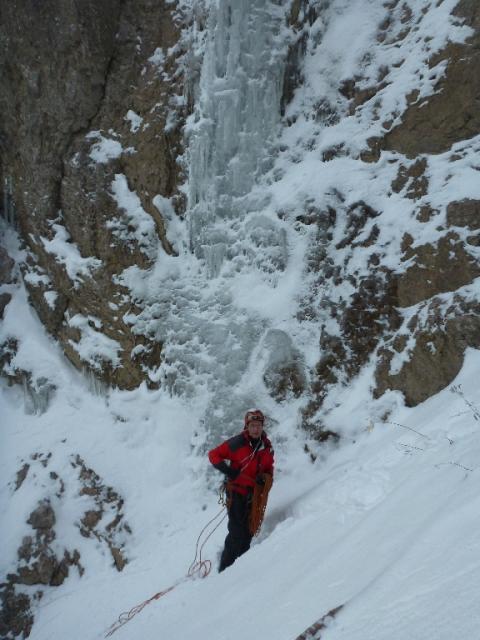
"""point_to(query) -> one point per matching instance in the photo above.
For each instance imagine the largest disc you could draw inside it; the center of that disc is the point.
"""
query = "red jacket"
(244, 457)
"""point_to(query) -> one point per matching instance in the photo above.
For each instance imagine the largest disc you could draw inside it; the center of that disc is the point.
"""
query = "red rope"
(198, 567)
(126, 616)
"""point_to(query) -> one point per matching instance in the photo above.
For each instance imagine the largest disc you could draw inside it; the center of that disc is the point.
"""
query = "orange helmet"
(254, 414)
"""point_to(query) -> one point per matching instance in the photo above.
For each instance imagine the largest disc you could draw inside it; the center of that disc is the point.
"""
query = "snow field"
(384, 524)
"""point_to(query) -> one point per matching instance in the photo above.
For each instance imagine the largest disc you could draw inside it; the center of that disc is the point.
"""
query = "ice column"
(235, 119)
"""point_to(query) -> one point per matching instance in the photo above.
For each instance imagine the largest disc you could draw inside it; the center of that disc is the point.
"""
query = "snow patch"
(67, 253)
(94, 346)
(134, 120)
(135, 224)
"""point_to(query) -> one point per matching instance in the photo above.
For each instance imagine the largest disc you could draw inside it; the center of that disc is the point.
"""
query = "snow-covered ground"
(384, 524)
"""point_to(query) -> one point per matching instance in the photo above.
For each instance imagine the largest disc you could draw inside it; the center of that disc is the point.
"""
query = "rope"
(198, 567)
(203, 567)
(126, 616)
(250, 456)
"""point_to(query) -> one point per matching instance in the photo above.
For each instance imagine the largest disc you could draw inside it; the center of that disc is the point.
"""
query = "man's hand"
(233, 473)
(225, 468)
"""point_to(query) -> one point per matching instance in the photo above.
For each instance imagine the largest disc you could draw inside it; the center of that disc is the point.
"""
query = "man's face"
(255, 428)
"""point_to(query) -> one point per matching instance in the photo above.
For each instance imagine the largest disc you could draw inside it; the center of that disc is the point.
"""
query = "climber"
(250, 455)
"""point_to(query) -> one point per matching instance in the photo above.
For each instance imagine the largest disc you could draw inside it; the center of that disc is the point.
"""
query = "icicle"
(37, 396)
(95, 385)
(236, 118)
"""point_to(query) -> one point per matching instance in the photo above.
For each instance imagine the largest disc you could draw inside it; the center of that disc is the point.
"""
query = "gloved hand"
(227, 470)
(232, 473)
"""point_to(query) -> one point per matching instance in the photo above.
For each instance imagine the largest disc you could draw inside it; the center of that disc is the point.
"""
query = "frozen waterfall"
(235, 120)
(214, 305)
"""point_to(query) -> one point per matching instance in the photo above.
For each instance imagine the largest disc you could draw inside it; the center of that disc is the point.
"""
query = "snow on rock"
(93, 346)
(51, 297)
(66, 253)
(104, 149)
(136, 224)
(157, 58)
(134, 120)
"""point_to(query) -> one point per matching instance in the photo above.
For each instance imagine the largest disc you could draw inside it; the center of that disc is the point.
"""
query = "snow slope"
(385, 524)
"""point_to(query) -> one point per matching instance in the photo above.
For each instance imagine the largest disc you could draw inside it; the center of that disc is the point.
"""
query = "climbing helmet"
(254, 414)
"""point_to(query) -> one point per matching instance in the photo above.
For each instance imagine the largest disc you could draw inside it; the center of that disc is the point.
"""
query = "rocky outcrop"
(38, 565)
(6, 277)
(303, 13)
(105, 520)
(426, 354)
(436, 356)
(5, 274)
(89, 140)
(435, 268)
(417, 319)
(452, 113)
(284, 374)
(16, 618)
(465, 213)
(439, 333)
(6, 267)
(41, 561)
(361, 319)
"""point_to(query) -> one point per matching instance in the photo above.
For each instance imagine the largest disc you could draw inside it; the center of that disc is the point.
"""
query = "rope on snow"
(199, 567)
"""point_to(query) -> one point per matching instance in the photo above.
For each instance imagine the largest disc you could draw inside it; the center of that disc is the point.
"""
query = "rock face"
(440, 334)
(284, 374)
(436, 357)
(445, 266)
(417, 320)
(38, 565)
(452, 114)
(106, 502)
(16, 618)
(91, 136)
(87, 91)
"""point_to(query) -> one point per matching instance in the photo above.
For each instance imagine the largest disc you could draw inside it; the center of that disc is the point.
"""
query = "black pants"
(239, 537)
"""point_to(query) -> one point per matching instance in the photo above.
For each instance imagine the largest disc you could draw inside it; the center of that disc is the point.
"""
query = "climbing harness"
(200, 567)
